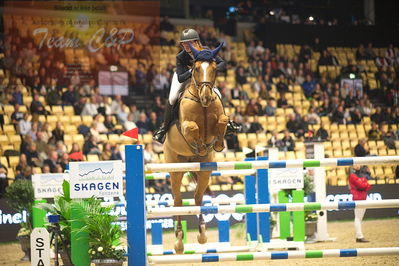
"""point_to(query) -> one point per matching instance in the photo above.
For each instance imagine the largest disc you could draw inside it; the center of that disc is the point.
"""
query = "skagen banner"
(99, 179)
(48, 185)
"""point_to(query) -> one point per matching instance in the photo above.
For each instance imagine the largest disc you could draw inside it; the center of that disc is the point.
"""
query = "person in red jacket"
(359, 186)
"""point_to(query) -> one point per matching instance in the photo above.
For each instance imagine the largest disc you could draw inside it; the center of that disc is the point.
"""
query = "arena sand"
(381, 233)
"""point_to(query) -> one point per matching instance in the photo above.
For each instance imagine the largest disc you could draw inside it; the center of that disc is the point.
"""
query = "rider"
(184, 61)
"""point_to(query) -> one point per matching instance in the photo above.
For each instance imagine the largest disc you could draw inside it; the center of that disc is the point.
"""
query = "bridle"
(200, 85)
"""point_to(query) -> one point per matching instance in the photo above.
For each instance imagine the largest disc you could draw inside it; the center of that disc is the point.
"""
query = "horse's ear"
(217, 49)
(193, 50)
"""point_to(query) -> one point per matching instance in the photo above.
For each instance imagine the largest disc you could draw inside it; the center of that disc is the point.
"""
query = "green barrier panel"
(79, 240)
(298, 217)
(38, 215)
(284, 217)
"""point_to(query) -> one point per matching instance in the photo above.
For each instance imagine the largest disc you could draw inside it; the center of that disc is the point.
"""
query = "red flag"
(133, 133)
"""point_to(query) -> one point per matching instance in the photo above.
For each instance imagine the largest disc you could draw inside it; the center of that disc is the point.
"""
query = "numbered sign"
(40, 247)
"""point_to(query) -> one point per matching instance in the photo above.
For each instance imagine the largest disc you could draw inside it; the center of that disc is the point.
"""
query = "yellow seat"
(13, 161)
(78, 138)
(92, 158)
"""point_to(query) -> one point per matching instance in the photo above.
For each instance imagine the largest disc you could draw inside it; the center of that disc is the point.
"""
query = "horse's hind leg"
(202, 184)
(221, 131)
(176, 179)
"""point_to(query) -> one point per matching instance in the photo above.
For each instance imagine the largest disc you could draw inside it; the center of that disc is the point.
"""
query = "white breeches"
(359, 214)
(175, 88)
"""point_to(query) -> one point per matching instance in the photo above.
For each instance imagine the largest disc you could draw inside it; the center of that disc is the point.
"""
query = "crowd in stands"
(35, 81)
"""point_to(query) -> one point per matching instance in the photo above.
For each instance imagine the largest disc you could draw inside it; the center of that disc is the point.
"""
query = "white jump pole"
(255, 208)
(251, 256)
(214, 166)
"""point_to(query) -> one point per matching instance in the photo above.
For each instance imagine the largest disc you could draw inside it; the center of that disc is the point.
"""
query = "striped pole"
(202, 250)
(214, 166)
(191, 202)
(275, 255)
(154, 176)
(254, 208)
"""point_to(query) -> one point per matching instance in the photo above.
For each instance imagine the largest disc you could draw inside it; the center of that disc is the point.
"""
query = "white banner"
(40, 247)
(287, 178)
(99, 179)
(48, 185)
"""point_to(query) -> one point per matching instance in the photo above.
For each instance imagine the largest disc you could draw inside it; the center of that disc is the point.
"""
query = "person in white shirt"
(90, 107)
(24, 125)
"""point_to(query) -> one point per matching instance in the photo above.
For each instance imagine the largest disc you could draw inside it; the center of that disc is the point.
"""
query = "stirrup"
(160, 135)
(232, 128)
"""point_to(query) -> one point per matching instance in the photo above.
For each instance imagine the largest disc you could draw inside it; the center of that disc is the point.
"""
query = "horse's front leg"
(220, 132)
(176, 179)
(202, 184)
(190, 131)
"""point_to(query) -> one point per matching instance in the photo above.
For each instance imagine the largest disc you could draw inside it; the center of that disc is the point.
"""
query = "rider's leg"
(159, 135)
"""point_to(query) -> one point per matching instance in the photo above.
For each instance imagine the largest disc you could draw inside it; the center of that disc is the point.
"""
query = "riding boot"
(232, 128)
(160, 134)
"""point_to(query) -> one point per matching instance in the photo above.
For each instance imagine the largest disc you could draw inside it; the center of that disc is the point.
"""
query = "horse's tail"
(208, 190)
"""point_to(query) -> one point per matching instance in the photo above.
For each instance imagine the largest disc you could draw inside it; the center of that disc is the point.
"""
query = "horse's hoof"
(202, 239)
(179, 246)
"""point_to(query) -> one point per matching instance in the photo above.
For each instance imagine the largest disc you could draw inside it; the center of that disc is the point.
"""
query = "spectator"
(36, 106)
(58, 133)
(153, 123)
(270, 110)
(253, 108)
(377, 117)
(75, 154)
(288, 141)
(389, 138)
(100, 127)
(41, 146)
(107, 152)
(356, 117)
(64, 162)
(69, 97)
(282, 101)
(374, 133)
(358, 187)
(313, 117)
(24, 125)
(361, 53)
(3, 180)
(17, 115)
(282, 87)
(33, 130)
(321, 133)
(17, 97)
(255, 127)
(237, 93)
(129, 124)
(161, 83)
(32, 157)
(338, 116)
(22, 163)
(109, 125)
(275, 142)
(90, 146)
(90, 107)
(305, 54)
(26, 174)
(292, 124)
(241, 77)
(303, 127)
(52, 161)
(369, 52)
(143, 124)
(360, 149)
(308, 86)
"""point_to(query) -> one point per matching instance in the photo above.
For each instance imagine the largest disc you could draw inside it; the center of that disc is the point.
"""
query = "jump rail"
(309, 254)
(255, 208)
(154, 176)
(214, 166)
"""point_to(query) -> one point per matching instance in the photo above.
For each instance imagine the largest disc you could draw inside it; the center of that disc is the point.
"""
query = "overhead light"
(271, 13)
(352, 76)
(113, 68)
(311, 18)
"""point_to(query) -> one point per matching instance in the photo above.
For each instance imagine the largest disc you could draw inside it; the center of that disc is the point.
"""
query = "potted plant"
(62, 208)
(20, 197)
(104, 233)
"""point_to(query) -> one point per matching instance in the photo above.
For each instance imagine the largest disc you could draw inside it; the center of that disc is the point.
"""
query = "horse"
(197, 133)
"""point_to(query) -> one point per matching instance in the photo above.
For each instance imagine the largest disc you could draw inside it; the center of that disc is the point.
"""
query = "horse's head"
(204, 73)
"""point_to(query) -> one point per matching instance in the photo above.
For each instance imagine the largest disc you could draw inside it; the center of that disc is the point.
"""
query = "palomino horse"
(198, 132)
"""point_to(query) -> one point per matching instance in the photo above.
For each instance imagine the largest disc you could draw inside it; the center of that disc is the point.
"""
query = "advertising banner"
(290, 178)
(99, 179)
(48, 185)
